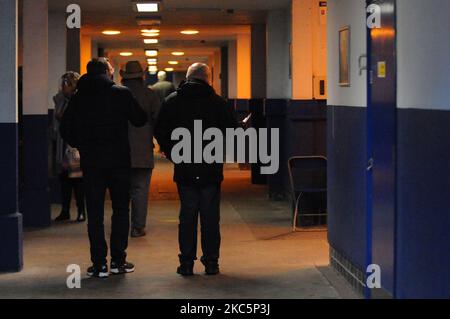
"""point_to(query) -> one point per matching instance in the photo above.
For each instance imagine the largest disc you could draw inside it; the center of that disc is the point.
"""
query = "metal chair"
(307, 175)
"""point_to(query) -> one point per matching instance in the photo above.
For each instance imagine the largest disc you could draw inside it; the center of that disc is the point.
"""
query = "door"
(382, 123)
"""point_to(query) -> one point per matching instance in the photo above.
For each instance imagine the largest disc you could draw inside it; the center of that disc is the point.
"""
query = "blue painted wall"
(423, 209)
(10, 220)
(346, 148)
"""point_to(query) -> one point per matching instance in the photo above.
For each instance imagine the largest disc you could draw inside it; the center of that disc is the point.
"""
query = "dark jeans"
(203, 201)
(96, 182)
(67, 186)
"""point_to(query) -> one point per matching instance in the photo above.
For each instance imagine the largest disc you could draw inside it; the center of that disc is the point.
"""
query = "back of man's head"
(97, 67)
(198, 71)
(162, 75)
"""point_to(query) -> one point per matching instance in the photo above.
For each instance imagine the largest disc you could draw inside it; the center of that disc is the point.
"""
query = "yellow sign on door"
(382, 69)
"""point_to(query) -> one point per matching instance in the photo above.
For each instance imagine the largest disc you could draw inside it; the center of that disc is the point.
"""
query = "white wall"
(423, 42)
(342, 13)
(56, 52)
(279, 85)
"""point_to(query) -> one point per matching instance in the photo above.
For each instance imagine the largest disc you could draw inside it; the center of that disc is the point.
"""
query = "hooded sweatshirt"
(96, 122)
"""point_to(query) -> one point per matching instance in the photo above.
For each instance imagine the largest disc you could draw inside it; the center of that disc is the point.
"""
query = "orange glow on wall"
(85, 52)
(244, 66)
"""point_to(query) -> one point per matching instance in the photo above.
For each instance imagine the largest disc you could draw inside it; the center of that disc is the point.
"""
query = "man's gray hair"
(198, 71)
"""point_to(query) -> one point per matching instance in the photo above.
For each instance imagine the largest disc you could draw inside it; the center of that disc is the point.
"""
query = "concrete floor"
(260, 257)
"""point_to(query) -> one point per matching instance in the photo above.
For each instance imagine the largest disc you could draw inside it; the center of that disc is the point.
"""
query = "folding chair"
(307, 175)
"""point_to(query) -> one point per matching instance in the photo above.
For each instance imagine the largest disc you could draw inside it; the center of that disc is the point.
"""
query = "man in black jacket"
(96, 123)
(198, 184)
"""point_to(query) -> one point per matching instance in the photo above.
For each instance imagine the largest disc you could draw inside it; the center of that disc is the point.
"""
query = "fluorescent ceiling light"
(150, 34)
(126, 53)
(152, 60)
(152, 63)
(150, 6)
(151, 41)
(150, 30)
(151, 53)
(169, 69)
(153, 68)
(190, 32)
(173, 62)
(178, 53)
(111, 32)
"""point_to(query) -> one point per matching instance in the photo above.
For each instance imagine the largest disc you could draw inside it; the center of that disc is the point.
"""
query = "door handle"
(360, 65)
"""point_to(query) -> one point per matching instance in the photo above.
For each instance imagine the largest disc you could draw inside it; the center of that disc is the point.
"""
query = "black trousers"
(96, 181)
(203, 201)
(67, 186)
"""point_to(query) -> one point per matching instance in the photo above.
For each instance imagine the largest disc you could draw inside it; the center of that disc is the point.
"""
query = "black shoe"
(81, 217)
(138, 232)
(119, 269)
(211, 267)
(63, 216)
(186, 269)
(99, 272)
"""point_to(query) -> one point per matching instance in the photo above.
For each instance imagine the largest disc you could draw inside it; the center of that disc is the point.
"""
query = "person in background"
(96, 123)
(141, 143)
(110, 69)
(163, 87)
(199, 184)
(70, 181)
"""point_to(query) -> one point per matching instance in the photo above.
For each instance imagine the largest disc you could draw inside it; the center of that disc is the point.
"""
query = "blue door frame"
(381, 147)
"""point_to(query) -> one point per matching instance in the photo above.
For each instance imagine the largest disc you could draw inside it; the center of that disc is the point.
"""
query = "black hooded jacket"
(193, 100)
(96, 122)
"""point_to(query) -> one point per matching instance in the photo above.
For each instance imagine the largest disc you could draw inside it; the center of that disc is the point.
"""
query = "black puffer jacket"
(194, 100)
(96, 122)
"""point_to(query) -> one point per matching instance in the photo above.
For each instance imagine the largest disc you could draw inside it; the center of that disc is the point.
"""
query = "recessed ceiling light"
(190, 32)
(126, 53)
(178, 53)
(153, 68)
(151, 53)
(150, 30)
(152, 63)
(111, 32)
(151, 41)
(150, 34)
(152, 60)
(146, 6)
(173, 62)
(169, 69)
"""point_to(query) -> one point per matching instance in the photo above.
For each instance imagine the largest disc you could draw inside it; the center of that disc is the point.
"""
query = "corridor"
(260, 257)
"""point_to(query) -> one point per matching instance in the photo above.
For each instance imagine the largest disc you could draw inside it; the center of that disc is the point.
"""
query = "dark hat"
(133, 70)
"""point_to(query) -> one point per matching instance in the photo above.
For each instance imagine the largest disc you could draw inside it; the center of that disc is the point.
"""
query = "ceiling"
(217, 20)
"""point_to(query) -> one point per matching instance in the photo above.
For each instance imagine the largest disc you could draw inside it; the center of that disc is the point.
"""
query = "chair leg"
(297, 206)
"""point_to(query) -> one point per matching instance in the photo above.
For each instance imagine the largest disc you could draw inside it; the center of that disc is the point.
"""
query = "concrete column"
(259, 61)
(279, 83)
(34, 196)
(309, 42)
(73, 50)
(56, 52)
(232, 70)
(10, 219)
